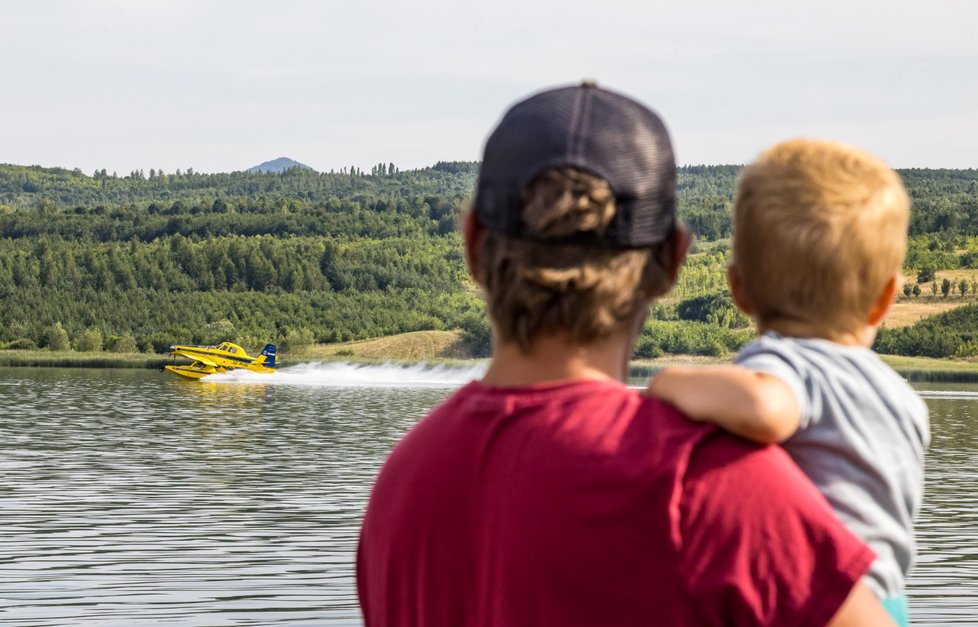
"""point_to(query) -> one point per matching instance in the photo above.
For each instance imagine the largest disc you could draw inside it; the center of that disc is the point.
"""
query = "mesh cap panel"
(593, 129)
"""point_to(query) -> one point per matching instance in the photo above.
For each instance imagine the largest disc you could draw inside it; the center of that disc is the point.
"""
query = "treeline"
(150, 259)
(28, 187)
(951, 334)
(36, 200)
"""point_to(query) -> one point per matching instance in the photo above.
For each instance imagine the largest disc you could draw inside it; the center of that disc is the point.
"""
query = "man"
(549, 493)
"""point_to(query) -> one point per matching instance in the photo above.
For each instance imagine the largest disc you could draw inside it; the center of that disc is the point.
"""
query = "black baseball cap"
(593, 129)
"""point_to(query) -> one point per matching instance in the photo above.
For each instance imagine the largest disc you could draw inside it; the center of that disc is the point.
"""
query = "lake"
(130, 495)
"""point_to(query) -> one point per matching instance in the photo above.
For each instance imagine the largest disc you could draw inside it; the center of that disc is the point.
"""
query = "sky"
(222, 85)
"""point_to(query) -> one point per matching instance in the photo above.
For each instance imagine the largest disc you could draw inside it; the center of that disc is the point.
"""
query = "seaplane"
(225, 356)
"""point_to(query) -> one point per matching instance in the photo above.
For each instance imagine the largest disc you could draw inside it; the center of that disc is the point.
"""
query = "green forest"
(142, 261)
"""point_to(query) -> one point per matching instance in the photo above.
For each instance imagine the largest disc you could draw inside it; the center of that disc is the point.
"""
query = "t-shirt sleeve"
(760, 546)
(758, 358)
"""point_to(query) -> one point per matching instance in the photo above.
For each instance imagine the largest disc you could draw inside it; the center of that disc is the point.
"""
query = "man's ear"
(737, 291)
(883, 302)
(678, 248)
(472, 233)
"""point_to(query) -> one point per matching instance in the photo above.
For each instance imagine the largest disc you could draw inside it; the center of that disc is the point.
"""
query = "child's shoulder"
(817, 367)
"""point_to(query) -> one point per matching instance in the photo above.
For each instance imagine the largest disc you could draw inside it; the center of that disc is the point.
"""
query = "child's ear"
(737, 291)
(883, 302)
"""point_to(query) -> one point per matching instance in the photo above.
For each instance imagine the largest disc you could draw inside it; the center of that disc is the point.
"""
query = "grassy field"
(929, 369)
(73, 359)
(906, 313)
(416, 346)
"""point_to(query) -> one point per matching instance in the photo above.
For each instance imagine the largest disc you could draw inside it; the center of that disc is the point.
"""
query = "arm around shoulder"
(755, 405)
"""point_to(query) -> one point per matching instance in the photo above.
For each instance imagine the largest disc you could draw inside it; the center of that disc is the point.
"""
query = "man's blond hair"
(819, 229)
(535, 288)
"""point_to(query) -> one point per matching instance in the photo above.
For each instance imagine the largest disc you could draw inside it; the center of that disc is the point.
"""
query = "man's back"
(583, 503)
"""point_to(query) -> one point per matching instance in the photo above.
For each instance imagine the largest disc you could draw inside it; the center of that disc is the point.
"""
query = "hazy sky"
(221, 85)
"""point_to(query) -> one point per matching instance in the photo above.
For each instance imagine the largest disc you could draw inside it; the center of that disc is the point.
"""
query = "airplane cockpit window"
(232, 349)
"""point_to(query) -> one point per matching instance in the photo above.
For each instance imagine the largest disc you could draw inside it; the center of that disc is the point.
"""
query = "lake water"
(129, 496)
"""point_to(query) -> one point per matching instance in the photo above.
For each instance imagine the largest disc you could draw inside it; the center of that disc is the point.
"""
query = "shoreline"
(911, 368)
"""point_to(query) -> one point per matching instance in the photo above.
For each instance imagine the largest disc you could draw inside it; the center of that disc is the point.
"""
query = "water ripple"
(128, 495)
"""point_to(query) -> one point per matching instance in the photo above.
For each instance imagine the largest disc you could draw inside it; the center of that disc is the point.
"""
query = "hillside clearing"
(906, 313)
(417, 345)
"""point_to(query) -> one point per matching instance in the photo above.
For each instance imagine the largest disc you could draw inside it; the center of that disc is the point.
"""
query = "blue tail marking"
(269, 353)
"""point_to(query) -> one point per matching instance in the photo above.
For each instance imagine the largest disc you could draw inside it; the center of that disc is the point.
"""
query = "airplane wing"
(195, 357)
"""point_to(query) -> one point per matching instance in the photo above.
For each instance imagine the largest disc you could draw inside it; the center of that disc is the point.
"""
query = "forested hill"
(150, 259)
(278, 165)
(25, 187)
(139, 205)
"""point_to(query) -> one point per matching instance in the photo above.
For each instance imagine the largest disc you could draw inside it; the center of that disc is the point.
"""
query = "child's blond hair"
(819, 229)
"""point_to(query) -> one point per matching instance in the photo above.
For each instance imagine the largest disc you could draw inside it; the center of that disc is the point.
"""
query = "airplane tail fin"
(269, 354)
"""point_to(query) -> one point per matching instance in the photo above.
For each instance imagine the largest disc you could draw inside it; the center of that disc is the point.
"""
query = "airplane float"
(222, 358)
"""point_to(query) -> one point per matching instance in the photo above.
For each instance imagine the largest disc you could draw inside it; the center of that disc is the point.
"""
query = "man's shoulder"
(722, 456)
(745, 509)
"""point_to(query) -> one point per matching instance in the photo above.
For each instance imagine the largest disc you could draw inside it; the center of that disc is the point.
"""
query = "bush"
(21, 344)
(158, 343)
(56, 338)
(124, 344)
(476, 334)
(688, 338)
(716, 308)
(297, 340)
(89, 341)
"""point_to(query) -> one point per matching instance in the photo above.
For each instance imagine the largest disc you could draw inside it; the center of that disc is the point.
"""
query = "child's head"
(820, 229)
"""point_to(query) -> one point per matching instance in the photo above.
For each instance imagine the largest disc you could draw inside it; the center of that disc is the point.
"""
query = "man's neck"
(555, 358)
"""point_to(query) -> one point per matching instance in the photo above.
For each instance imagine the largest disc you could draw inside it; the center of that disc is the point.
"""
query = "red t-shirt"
(585, 503)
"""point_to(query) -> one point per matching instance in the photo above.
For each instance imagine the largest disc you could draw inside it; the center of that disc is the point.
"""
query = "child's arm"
(755, 405)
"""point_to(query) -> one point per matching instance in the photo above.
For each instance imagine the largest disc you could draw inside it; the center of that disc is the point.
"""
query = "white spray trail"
(949, 394)
(345, 374)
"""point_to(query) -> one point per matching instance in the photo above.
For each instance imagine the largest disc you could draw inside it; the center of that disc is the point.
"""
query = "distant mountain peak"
(278, 165)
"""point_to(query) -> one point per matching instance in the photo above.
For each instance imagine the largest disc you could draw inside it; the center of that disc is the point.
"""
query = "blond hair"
(819, 229)
(535, 288)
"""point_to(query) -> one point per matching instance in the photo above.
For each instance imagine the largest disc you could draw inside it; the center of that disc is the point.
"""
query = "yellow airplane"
(214, 359)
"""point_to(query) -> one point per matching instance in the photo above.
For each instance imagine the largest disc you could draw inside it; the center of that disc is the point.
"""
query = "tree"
(933, 288)
(926, 274)
(907, 290)
(56, 338)
(946, 287)
(296, 340)
(963, 287)
(124, 344)
(89, 341)
(916, 290)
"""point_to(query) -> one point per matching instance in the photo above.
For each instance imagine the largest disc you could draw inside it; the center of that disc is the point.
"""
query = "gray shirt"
(861, 440)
